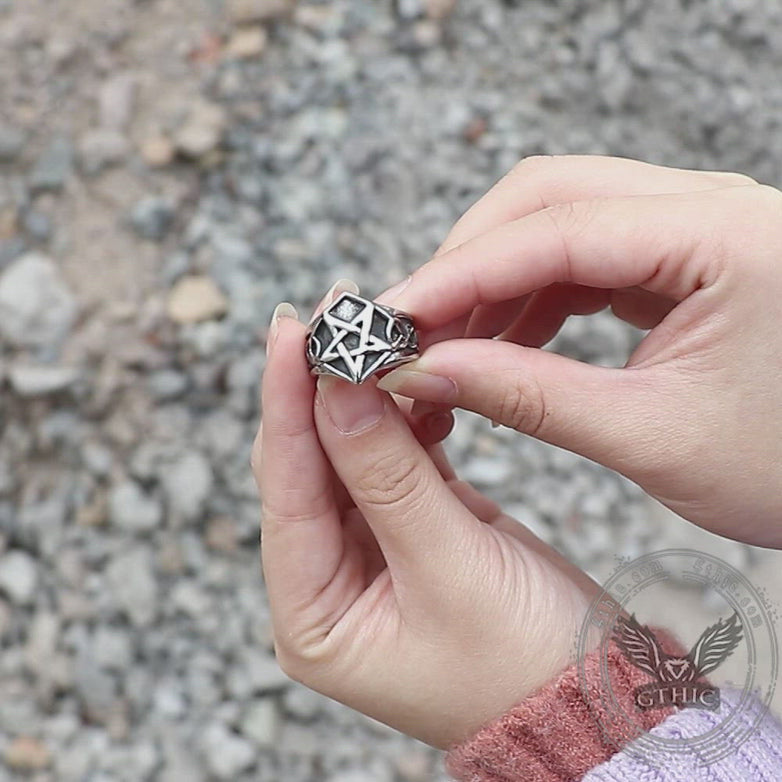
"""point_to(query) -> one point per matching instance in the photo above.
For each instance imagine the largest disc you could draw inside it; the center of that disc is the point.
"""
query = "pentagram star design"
(355, 337)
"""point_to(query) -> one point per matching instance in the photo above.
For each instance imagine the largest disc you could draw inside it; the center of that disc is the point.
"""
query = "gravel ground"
(169, 172)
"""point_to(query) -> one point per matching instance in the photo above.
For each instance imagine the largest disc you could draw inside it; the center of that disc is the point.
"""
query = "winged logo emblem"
(643, 650)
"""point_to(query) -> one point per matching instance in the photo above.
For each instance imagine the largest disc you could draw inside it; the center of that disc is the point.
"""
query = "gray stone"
(188, 485)
(202, 130)
(264, 672)
(487, 471)
(37, 307)
(302, 702)
(261, 722)
(188, 597)
(244, 11)
(226, 753)
(112, 648)
(167, 384)
(169, 700)
(39, 380)
(180, 763)
(379, 772)
(100, 148)
(18, 577)
(96, 689)
(54, 166)
(116, 99)
(97, 458)
(152, 217)
(132, 581)
(42, 642)
(133, 510)
(409, 9)
(11, 143)
(37, 224)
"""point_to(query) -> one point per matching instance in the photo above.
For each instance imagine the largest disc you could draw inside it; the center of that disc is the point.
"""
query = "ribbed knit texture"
(757, 759)
(553, 735)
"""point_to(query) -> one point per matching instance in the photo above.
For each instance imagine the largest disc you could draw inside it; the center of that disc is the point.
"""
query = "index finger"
(539, 181)
(657, 242)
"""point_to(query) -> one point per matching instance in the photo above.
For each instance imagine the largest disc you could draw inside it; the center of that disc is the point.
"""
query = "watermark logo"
(677, 679)
(728, 675)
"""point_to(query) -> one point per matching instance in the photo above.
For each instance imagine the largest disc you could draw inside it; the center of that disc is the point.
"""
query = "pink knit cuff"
(553, 735)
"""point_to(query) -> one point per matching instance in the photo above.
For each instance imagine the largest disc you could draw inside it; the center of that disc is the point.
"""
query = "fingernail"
(283, 310)
(387, 296)
(340, 286)
(422, 407)
(351, 408)
(437, 422)
(419, 385)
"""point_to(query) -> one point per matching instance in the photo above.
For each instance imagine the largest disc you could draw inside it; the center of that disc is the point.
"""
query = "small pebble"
(26, 753)
(194, 299)
(247, 43)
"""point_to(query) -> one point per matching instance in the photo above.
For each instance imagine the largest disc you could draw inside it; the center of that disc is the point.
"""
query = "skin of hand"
(393, 586)
(695, 415)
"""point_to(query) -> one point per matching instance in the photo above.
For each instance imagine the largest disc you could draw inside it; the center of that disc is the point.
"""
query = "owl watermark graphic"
(677, 679)
(738, 644)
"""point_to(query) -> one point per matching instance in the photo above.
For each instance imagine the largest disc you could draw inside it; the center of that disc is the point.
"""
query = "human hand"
(394, 587)
(695, 416)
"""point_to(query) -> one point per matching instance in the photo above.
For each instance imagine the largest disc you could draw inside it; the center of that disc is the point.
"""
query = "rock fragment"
(247, 43)
(100, 148)
(188, 485)
(202, 130)
(152, 217)
(227, 754)
(18, 577)
(31, 380)
(245, 11)
(11, 143)
(194, 299)
(439, 9)
(133, 510)
(116, 100)
(27, 753)
(157, 151)
(261, 722)
(37, 307)
(54, 166)
(132, 580)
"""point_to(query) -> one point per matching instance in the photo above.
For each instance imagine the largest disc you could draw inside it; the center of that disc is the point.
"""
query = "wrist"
(559, 732)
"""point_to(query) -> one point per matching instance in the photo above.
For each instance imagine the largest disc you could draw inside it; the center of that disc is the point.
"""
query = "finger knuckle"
(757, 209)
(769, 198)
(572, 217)
(390, 479)
(533, 163)
(568, 220)
(301, 661)
(522, 406)
(281, 510)
(732, 178)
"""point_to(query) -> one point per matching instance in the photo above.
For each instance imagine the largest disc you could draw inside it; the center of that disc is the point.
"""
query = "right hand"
(695, 416)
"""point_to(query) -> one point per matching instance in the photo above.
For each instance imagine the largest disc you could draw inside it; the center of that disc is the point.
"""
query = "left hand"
(394, 587)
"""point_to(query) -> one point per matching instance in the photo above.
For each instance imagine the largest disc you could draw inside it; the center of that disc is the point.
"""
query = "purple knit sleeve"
(758, 758)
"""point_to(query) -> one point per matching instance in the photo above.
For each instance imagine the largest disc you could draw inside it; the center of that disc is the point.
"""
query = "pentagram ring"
(353, 338)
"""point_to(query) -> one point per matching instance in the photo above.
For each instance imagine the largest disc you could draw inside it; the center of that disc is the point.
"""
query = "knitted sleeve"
(554, 735)
(758, 758)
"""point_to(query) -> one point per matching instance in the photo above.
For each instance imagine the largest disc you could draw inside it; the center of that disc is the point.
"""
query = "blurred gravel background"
(169, 171)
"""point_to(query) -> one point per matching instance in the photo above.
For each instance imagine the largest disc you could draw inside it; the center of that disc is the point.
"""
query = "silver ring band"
(353, 338)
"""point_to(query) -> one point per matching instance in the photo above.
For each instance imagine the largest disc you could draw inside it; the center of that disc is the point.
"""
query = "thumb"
(602, 413)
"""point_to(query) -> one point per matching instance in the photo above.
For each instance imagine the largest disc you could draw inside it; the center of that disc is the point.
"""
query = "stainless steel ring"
(353, 338)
